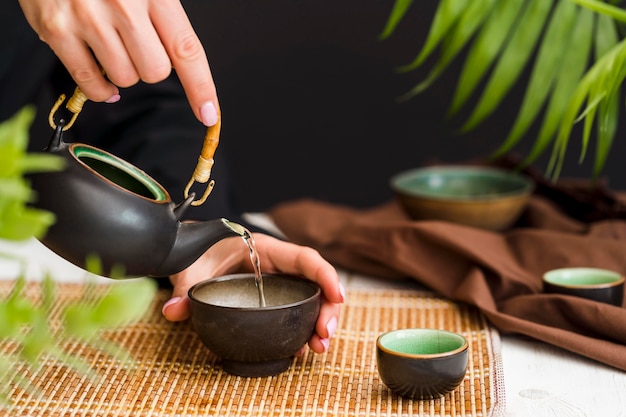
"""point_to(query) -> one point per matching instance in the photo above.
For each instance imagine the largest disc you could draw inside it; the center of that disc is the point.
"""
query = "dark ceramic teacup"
(421, 363)
(255, 341)
(593, 283)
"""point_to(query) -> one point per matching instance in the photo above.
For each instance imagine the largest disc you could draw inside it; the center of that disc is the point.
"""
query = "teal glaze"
(595, 284)
(481, 197)
(461, 183)
(421, 364)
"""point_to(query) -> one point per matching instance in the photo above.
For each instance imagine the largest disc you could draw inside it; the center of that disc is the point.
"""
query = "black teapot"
(108, 208)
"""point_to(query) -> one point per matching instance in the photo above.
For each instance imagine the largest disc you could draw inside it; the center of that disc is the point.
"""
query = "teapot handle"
(74, 105)
(202, 173)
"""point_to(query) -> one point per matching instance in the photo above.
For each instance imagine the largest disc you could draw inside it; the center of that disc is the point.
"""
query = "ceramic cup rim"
(399, 182)
(246, 275)
(549, 277)
(422, 330)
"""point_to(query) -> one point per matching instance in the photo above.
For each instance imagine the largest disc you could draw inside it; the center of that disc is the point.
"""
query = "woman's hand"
(231, 255)
(130, 41)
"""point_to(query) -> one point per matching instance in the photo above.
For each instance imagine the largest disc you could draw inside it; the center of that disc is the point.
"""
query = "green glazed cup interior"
(462, 183)
(583, 277)
(422, 342)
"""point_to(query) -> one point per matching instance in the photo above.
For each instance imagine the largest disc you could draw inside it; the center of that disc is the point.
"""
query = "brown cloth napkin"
(498, 272)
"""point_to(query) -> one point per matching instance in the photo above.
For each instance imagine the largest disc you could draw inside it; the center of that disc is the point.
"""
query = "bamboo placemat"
(173, 374)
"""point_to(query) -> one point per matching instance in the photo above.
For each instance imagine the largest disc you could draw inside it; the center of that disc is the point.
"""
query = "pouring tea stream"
(107, 207)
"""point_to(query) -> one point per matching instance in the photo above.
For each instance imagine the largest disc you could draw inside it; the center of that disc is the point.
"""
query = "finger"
(142, 44)
(325, 328)
(188, 57)
(294, 259)
(58, 29)
(113, 59)
(84, 69)
(177, 307)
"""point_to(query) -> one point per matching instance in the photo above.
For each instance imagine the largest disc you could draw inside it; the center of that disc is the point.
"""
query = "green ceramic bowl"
(482, 197)
(593, 283)
(421, 363)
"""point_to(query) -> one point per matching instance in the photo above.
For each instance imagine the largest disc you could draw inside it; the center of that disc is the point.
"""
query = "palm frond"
(451, 38)
(571, 47)
(571, 70)
(485, 49)
(544, 72)
(599, 85)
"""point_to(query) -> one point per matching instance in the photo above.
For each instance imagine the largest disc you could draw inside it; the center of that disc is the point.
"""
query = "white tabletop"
(539, 379)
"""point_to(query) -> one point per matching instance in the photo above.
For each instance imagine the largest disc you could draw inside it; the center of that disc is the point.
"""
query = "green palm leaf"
(600, 83)
(485, 49)
(558, 35)
(512, 60)
(544, 72)
(606, 38)
(453, 42)
(400, 8)
(570, 72)
(445, 17)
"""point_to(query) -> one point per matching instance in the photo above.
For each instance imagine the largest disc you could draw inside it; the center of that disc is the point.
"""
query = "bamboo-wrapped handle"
(74, 105)
(202, 173)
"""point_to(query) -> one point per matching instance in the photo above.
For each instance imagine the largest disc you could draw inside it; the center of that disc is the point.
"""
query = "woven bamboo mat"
(173, 374)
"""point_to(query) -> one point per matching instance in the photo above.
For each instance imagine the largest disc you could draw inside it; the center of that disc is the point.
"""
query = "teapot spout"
(193, 239)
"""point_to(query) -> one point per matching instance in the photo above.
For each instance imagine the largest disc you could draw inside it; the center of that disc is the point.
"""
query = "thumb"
(177, 307)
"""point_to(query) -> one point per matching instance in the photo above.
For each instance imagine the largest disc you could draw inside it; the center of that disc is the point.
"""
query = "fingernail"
(325, 343)
(342, 290)
(331, 327)
(113, 99)
(208, 113)
(169, 303)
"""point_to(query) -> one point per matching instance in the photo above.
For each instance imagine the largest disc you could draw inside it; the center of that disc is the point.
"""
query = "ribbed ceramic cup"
(596, 284)
(421, 363)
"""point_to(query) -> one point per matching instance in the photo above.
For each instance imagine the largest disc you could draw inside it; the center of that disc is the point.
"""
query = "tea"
(256, 265)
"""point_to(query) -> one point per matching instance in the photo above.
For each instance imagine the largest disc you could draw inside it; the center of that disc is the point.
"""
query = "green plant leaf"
(607, 71)
(20, 222)
(15, 189)
(445, 18)
(512, 61)
(545, 70)
(603, 8)
(600, 88)
(460, 34)
(608, 115)
(400, 7)
(570, 72)
(485, 48)
(132, 297)
(605, 39)
(14, 131)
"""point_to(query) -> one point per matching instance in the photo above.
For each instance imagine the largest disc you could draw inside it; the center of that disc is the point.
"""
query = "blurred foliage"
(17, 220)
(33, 330)
(576, 53)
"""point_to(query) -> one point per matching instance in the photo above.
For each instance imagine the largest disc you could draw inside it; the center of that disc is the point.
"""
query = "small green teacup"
(593, 283)
(421, 363)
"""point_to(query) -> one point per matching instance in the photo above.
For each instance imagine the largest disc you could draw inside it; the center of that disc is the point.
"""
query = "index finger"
(188, 58)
